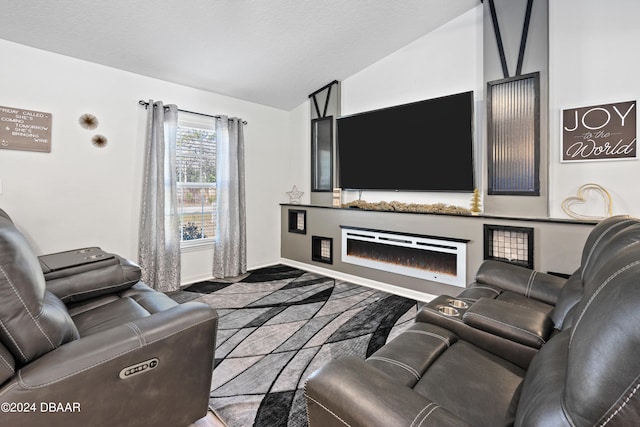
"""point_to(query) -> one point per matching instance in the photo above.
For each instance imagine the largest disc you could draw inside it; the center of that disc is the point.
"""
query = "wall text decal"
(27, 130)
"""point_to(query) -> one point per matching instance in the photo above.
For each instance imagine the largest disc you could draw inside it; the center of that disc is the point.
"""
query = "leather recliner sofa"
(585, 373)
(92, 345)
(541, 291)
(512, 311)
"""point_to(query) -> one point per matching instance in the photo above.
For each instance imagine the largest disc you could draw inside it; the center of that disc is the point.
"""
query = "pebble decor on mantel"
(408, 207)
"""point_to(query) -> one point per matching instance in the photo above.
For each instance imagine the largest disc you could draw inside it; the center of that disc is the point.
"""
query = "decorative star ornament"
(294, 195)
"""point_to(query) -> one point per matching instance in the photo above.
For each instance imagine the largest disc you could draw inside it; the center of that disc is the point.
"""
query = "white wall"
(298, 159)
(445, 61)
(79, 195)
(594, 59)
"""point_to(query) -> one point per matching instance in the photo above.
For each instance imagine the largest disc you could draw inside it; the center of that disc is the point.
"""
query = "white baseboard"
(257, 266)
(385, 287)
(381, 286)
(191, 280)
(195, 279)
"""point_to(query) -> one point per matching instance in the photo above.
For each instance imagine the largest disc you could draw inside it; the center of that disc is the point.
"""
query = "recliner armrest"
(92, 372)
(524, 281)
(513, 351)
(350, 392)
(87, 281)
(525, 326)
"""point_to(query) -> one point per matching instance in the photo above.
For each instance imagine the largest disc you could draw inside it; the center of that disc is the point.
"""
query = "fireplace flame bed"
(432, 258)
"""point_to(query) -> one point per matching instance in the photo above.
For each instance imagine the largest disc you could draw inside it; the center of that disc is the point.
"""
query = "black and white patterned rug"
(279, 324)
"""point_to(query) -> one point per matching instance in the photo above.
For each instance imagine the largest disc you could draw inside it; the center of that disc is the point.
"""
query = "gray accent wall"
(557, 244)
(511, 14)
(324, 198)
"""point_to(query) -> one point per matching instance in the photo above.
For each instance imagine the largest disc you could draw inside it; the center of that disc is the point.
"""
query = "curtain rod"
(145, 104)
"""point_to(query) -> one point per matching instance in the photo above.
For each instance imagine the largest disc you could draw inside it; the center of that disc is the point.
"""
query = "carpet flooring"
(279, 324)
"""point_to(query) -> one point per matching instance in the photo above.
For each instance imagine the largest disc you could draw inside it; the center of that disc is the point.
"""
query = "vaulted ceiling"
(271, 52)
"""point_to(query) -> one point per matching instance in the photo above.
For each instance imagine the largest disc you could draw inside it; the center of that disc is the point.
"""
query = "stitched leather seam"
(306, 402)
(8, 388)
(467, 314)
(532, 277)
(596, 293)
(629, 245)
(413, 423)
(138, 333)
(6, 362)
(595, 244)
(6, 331)
(427, 416)
(15, 291)
(71, 374)
(397, 363)
(326, 409)
(617, 411)
(102, 361)
(431, 334)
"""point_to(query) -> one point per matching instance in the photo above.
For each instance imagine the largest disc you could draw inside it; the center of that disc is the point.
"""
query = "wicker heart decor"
(581, 199)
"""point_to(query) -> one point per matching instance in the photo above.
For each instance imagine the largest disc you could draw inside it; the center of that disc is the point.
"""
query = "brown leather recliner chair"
(91, 345)
(586, 374)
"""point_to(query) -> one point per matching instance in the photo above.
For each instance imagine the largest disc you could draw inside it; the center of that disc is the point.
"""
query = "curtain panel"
(159, 236)
(230, 251)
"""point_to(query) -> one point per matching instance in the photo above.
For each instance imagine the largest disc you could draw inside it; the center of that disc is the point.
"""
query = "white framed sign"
(27, 130)
(599, 132)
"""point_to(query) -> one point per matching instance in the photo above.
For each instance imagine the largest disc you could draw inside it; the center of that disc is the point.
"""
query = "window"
(196, 178)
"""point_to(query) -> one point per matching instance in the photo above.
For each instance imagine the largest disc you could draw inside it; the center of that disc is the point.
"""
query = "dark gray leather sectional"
(517, 347)
(84, 343)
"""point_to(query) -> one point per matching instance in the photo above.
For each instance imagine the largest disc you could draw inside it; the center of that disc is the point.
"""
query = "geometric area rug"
(279, 324)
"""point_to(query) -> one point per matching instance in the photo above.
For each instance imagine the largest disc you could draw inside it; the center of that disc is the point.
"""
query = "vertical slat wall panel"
(514, 135)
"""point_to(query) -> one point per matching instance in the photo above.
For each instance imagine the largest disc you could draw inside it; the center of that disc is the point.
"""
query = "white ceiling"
(271, 52)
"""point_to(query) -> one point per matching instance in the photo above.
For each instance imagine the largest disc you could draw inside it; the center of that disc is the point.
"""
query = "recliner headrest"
(609, 248)
(601, 233)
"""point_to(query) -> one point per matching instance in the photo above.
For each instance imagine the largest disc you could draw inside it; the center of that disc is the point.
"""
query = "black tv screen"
(421, 146)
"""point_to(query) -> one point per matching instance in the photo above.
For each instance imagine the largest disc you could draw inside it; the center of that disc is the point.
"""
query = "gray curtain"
(230, 252)
(159, 239)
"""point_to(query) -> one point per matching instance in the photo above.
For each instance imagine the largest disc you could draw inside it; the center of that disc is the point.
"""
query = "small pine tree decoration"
(475, 202)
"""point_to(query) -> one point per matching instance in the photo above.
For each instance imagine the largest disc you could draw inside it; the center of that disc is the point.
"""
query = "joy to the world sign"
(600, 132)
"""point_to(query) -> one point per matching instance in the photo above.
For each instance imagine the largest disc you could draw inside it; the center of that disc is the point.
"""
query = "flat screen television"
(421, 146)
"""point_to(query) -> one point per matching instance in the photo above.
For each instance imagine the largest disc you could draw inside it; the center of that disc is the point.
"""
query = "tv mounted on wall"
(421, 146)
